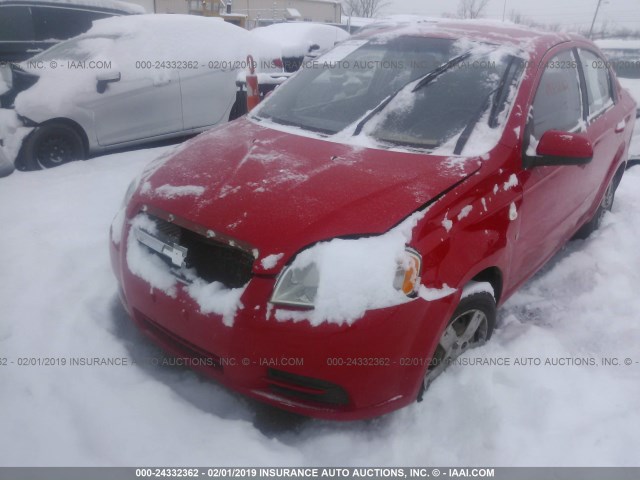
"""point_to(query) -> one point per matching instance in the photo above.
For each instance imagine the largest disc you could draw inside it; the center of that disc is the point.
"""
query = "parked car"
(623, 55)
(300, 40)
(335, 250)
(128, 81)
(28, 27)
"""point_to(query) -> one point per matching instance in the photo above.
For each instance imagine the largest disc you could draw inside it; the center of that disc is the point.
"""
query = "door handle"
(621, 126)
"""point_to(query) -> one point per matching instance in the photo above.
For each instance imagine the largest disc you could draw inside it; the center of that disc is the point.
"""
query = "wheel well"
(618, 175)
(493, 275)
(22, 164)
(70, 123)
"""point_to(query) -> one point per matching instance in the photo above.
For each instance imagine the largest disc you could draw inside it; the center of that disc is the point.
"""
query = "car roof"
(489, 31)
(107, 6)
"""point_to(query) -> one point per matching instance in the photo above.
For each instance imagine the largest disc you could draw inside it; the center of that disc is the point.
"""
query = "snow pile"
(350, 283)
(216, 298)
(295, 39)
(271, 261)
(59, 300)
(172, 191)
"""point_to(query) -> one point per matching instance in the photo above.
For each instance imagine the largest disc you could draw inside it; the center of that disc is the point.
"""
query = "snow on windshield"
(387, 90)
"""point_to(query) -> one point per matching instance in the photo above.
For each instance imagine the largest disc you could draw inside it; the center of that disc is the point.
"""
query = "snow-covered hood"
(280, 192)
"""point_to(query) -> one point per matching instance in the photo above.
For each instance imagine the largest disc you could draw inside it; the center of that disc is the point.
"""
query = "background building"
(253, 13)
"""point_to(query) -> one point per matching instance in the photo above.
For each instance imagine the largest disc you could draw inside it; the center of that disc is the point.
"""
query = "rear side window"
(15, 24)
(558, 100)
(598, 82)
(62, 23)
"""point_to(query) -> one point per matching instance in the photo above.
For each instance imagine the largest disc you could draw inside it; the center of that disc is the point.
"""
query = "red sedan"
(334, 251)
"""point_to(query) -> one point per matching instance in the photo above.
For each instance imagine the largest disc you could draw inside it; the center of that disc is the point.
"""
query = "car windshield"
(77, 49)
(417, 102)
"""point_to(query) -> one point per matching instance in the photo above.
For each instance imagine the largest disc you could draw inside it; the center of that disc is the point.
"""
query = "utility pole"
(594, 19)
(504, 11)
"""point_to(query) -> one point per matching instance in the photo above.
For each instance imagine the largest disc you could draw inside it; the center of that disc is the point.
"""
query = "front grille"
(212, 261)
(306, 388)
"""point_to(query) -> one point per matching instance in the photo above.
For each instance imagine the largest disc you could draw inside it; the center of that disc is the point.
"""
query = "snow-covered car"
(624, 56)
(335, 250)
(28, 27)
(300, 40)
(130, 80)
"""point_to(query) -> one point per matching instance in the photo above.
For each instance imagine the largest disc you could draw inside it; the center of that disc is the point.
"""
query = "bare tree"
(364, 8)
(471, 8)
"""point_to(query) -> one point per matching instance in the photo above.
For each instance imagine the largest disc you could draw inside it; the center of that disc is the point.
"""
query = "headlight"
(298, 285)
(407, 278)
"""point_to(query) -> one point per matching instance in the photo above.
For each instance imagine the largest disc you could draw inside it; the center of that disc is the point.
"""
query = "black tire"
(480, 306)
(605, 206)
(52, 145)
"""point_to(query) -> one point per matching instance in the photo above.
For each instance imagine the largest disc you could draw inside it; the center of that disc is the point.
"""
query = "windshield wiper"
(466, 132)
(425, 80)
(497, 94)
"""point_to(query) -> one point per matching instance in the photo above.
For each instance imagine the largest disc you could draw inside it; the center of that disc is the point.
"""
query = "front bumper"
(330, 371)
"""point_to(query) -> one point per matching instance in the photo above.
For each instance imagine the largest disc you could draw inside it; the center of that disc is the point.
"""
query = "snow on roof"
(295, 38)
(618, 44)
(122, 6)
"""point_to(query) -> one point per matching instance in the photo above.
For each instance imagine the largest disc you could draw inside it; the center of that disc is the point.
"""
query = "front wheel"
(471, 326)
(52, 145)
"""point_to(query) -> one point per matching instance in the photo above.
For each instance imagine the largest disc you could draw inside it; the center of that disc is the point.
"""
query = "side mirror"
(560, 148)
(104, 79)
(314, 47)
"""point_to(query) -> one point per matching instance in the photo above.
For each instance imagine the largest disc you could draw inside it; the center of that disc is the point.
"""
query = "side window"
(15, 24)
(598, 82)
(558, 101)
(62, 23)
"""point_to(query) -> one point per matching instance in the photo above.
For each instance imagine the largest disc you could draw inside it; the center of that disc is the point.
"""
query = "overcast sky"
(619, 13)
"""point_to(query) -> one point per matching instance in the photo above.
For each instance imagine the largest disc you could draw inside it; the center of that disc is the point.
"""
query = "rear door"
(207, 95)
(142, 105)
(606, 122)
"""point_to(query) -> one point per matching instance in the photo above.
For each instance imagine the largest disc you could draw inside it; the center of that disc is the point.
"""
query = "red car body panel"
(320, 189)
(330, 189)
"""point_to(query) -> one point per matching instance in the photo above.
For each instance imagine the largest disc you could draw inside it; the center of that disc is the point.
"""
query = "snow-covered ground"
(58, 299)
